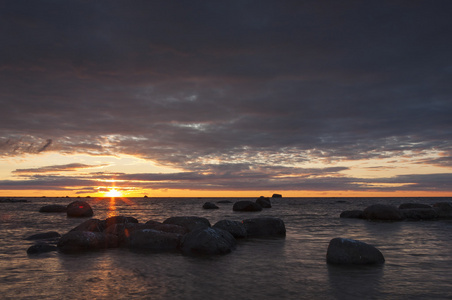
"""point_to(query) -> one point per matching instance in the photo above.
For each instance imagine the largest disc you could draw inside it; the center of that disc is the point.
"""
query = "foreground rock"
(53, 208)
(77, 241)
(382, 212)
(190, 223)
(351, 252)
(79, 209)
(246, 206)
(210, 205)
(264, 202)
(208, 241)
(265, 227)
(236, 228)
(154, 240)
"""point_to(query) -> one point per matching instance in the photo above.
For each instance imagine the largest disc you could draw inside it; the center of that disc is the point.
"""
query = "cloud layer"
(223, 87)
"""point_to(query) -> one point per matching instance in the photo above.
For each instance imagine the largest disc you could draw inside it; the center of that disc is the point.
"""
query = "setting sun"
(113, 193)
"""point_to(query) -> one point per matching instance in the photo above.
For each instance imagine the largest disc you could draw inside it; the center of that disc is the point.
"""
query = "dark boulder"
(444, 209)
(210, 205)
(420, 214)
(119, 220)
(123, 230)
(265, 227)
(93, 225)
(246, 206)
(76, 241)
(41, 248)
(352, 214)
(208, 241)
(276, 196)
(237, 229)
(224, 201)
(264, 202)
(189, 222)
(352, 252)
(79, 209)
(44, 236)
(154, 240)
(413, 205)
(171, 228)
(382, 212)
(53, 208)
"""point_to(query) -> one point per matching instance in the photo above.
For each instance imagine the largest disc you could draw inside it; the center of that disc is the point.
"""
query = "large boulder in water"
(208, 241)
(154, 240)
(41, 248)
(53, 208)
(352, 252)
(76, 241)
(382, 212)
(188, 222)
(236, 228)
(265, 227)
(79, 209)
(210, 205)
(264, 202)
(246, 206)
(444, 209)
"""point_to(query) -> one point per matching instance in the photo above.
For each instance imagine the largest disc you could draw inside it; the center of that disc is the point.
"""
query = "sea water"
(418, 254)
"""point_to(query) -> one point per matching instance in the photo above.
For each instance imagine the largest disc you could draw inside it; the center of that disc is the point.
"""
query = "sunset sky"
(226, 98)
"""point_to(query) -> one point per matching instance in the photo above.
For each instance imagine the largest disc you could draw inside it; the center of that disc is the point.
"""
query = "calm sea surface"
(418, 255)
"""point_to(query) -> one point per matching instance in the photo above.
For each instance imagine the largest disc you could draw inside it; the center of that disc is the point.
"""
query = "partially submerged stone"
(265, 227)
(53, 208)
(264, 202)
(351, 252)
(79, 209)
(246, 206)
(352, 214)
(154, 240)
(208, 241)
(236, 228)
(44, 236)
(189, 222)
(382, 212)
(76, 241)
(210, 205)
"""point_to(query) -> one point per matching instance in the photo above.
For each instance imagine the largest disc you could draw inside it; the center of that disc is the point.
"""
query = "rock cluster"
(405, 211)
(188, 234)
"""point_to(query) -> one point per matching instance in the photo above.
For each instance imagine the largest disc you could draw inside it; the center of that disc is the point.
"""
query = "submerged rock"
(41, 248)
(44, 236)
(276, 196)
(210, 205)
(413, 205)
(224, 201)
(352, 214)
(265, 227)
(208, 241)
(420, 213)
(79, 209)
(236, 228)
(352, 252)
(382, 212)
(53, 208)
(246, 206)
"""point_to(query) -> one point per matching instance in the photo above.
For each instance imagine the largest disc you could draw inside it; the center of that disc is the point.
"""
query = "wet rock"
(77, 241)
(208, 241)
(44, 236)
(265, 227)
(154, 240)
(246, 206)
(382, 212)
(41, 248)
(352, 252)
(79, 209)
(237, 229)
(420, 214)
(53, 208)
(352, 214)
(443, 209)
(119, 220)
(264, 202)
(189, 222)
(413, 205)
(210, 205)
(92, 225)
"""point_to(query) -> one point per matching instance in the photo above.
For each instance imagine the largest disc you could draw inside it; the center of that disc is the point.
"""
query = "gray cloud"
(263, 83)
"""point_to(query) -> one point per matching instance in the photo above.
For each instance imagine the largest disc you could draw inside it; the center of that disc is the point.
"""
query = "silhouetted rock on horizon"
(12, 200)
(44, 236)
(352, 214)
(382, 212)
(208, 241)
(53, 208)
(351, 252)
(246, 206)
(413, 205)
(210, 205)
(236, 228)
(265, 227)
(276, 196)
(79, 209)
(76, 241)
(189, 222)
(264, 202)
(154, 240)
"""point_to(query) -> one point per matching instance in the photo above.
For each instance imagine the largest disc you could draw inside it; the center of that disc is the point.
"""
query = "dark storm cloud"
(56, 168)
(271, 83)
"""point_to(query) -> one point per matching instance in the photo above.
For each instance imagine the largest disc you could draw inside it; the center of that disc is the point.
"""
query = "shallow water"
(418, 255)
